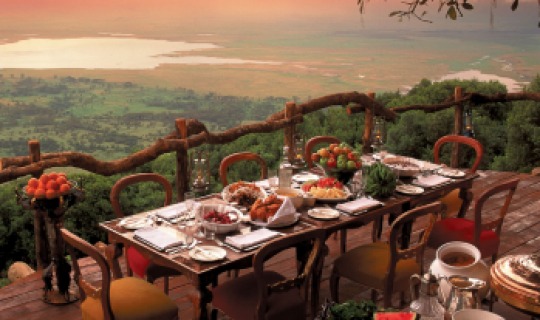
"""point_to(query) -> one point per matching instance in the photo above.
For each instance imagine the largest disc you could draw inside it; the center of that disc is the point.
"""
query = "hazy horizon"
(326, 45)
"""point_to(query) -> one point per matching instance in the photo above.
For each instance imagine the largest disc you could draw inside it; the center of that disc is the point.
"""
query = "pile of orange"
(48, 185)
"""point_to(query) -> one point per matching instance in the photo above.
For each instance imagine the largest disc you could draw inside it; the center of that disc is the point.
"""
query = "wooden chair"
(124, 298)
(264, 294)
(237, 157)
(452, 201)
(483, 232)
(311, 143)
(385, 266)
(136, 262)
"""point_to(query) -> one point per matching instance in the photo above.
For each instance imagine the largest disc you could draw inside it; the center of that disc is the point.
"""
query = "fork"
(223, 244)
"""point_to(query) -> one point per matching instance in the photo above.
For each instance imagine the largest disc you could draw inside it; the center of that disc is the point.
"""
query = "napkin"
(430, 181)
(160, 238)
(170, 212)
(359, 205)
(247, 240)
(285, 215)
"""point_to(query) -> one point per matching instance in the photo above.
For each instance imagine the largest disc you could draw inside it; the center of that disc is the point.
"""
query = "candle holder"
(378, 135)
(199, 169)
(298, 161)
(468, 128)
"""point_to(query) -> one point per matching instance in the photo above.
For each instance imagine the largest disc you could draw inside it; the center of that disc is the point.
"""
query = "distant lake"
(108, 53)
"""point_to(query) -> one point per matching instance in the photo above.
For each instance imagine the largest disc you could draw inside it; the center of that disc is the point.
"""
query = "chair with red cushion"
(136, 262)
(485, 230)
(123, 298)
(267, 294)
(237, 157)
(452, 201)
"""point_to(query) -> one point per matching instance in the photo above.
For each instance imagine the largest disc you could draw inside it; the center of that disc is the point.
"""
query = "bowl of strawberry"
(220, 219)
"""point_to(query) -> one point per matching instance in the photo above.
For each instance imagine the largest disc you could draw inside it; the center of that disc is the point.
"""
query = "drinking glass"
(185, 214)
(273, 180)
(190, 230)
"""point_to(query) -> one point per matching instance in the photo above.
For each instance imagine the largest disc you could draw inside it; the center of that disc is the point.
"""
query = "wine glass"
(190, 230)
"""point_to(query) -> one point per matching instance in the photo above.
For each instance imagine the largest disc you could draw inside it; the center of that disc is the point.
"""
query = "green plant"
(381, 181)
(352, 310)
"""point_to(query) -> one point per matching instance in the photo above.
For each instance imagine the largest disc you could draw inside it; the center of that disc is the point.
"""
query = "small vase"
(476, 269)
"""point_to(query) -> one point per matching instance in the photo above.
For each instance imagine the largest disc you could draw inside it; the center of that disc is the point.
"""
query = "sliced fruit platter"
(327, 189)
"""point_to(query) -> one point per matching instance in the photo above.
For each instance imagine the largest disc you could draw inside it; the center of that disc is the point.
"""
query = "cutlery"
(223, 244)
(182, 247)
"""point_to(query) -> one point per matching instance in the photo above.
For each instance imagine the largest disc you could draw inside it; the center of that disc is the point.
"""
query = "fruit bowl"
(342, 175)
(219, 218)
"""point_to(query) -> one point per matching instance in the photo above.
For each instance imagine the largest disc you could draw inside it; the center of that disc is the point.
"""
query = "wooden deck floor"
(520, 235)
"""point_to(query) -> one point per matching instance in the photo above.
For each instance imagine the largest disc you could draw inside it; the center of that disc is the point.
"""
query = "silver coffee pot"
(426, 303)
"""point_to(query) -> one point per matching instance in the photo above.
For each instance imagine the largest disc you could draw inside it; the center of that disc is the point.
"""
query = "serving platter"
(348, 194)
(233, 190)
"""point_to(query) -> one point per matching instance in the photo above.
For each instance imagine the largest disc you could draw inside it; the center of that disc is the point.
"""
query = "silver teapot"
(426, 303)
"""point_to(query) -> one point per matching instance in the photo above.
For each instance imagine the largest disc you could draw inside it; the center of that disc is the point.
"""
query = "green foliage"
(352, 310)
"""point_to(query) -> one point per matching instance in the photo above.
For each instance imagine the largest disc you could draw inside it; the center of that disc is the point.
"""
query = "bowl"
(296, 196)
(221, 228)
(474, 314)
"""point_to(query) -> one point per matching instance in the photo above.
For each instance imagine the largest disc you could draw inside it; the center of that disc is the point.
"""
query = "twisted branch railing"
(191, 133)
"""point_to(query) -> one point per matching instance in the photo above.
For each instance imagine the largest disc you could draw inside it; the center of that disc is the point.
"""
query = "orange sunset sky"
(36, 16)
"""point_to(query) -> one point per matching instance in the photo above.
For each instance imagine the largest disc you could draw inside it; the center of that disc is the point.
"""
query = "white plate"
(207, 253)
(323, 213)
(256, 191)
(335, 200)
(263, 224)
(451, 173)
(305, 177)
(409, 189)
(134, 223)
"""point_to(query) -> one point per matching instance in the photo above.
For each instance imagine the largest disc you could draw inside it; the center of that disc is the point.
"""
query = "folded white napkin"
(170, 212)
(243, 241)
(160, 238)
(285, 215)
(430, 181)
(359, 205)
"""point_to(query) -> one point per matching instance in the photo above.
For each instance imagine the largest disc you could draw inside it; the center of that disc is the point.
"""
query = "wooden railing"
(191, 133)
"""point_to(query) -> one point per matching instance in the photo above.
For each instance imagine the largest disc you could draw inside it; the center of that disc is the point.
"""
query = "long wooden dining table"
(205, 274)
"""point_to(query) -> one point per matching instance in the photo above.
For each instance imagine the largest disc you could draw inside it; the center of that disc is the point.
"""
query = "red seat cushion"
(238, 299)
(459, 229)
(137, 262)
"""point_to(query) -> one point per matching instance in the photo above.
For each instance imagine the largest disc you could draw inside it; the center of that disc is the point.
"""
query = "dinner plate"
(284, 224)
(207, 253)
(451, 173)
(323, 213)
(303, 177)
(409, 189)
(134, 223)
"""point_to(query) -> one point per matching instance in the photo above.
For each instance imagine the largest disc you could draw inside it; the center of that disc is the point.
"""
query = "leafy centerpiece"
(381, 181)
(338, 160)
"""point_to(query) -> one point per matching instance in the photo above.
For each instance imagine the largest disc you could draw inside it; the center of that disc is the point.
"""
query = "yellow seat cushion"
(368, 265)
(134, 299)
(452, 203)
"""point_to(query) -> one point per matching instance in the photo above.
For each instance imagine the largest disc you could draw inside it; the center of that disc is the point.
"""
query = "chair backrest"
(85, 288)
(473, 143)
(237, 157)
(313, 238)
(312, 143)
(415, 250)
(126, 181)
(493, 224)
